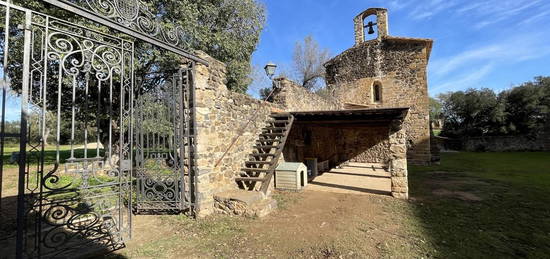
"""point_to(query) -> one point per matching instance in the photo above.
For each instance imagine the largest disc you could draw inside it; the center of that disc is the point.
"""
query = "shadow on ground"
(63, 233)
(483, 212)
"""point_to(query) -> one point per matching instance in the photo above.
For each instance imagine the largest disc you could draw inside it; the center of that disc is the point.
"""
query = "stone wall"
(399, 66)
(338, 143)
(292, 97)
(398, 161)
(220, 116)
(503, 144)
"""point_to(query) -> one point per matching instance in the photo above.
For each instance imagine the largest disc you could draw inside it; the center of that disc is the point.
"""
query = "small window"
(376, 92)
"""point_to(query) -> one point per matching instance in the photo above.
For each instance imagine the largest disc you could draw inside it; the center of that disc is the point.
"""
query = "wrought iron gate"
(164, 146)
(93, 145)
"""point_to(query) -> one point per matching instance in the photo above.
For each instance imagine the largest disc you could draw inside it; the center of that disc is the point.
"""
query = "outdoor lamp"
(270, 69)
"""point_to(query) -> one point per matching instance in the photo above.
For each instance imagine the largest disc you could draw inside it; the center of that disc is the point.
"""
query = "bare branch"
(308, 60)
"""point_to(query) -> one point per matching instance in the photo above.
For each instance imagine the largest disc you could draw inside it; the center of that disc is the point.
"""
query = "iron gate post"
(23, 136)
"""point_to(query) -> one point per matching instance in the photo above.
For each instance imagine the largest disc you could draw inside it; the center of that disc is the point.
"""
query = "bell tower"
(364, 27)
(386, 71)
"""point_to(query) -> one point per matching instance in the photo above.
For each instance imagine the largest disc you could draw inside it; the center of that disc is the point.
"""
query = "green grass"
(512, 220)
(50, 154)
(528, 169)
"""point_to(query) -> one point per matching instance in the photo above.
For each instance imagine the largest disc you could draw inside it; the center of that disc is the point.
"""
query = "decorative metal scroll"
(162, 134)
(93, 146)
(81, 85)
(135, 14)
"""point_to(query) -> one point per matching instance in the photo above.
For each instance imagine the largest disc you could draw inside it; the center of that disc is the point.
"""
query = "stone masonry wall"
(339, 144)
(399, 65)
(220, 116)
(293, 97)
(503, 143)
(398, 161)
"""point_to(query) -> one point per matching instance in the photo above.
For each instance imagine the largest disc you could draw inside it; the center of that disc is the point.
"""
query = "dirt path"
(309, 224)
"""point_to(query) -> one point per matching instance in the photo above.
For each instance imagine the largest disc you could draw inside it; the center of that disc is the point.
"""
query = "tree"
(471, 113)
(435, 109)
(522, 110)
(226, 29)
(308, 59)
(527, 106)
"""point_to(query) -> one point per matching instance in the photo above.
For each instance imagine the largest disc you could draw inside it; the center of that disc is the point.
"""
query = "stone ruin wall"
(220, 115)
(504, 143)
(400, 66)
(293, 97)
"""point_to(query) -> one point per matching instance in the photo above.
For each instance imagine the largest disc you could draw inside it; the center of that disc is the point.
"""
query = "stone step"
(258, 162)
(263, 170)
(274, 128)
(262, 155)
(280, 115)
(278, 121)
(267, 140)
(266, 146)
(243, 203)
(249, 179)
(272, 134)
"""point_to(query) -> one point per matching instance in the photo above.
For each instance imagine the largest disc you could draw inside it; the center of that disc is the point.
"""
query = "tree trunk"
(46, 136)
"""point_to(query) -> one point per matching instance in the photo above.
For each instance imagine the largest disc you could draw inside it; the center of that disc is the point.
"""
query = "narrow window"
(376, 92)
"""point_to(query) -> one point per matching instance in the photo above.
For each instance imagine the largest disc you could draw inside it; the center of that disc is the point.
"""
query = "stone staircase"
(261, 164)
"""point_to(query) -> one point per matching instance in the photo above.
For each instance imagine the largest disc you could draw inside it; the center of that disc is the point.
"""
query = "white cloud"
(394, 5)
(444, 66)
(494, 11)
(536, 17)
(430, 8)
(518, 49)
(470, 7)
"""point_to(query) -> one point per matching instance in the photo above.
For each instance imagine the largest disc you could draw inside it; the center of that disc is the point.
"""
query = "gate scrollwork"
(135, 14)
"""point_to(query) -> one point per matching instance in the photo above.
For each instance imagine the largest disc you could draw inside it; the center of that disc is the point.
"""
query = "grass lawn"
(473, 205)
(49, 154)
(511, 220)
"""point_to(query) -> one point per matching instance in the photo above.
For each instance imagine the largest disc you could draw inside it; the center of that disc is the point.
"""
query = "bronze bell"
(370, 25)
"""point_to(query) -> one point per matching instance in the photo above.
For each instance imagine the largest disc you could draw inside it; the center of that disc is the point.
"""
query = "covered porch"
(358, 150)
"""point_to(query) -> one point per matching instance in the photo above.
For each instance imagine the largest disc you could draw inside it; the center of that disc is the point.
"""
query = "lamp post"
(270, 70)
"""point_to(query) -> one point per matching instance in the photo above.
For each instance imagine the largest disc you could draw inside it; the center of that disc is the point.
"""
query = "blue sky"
(485, 43)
